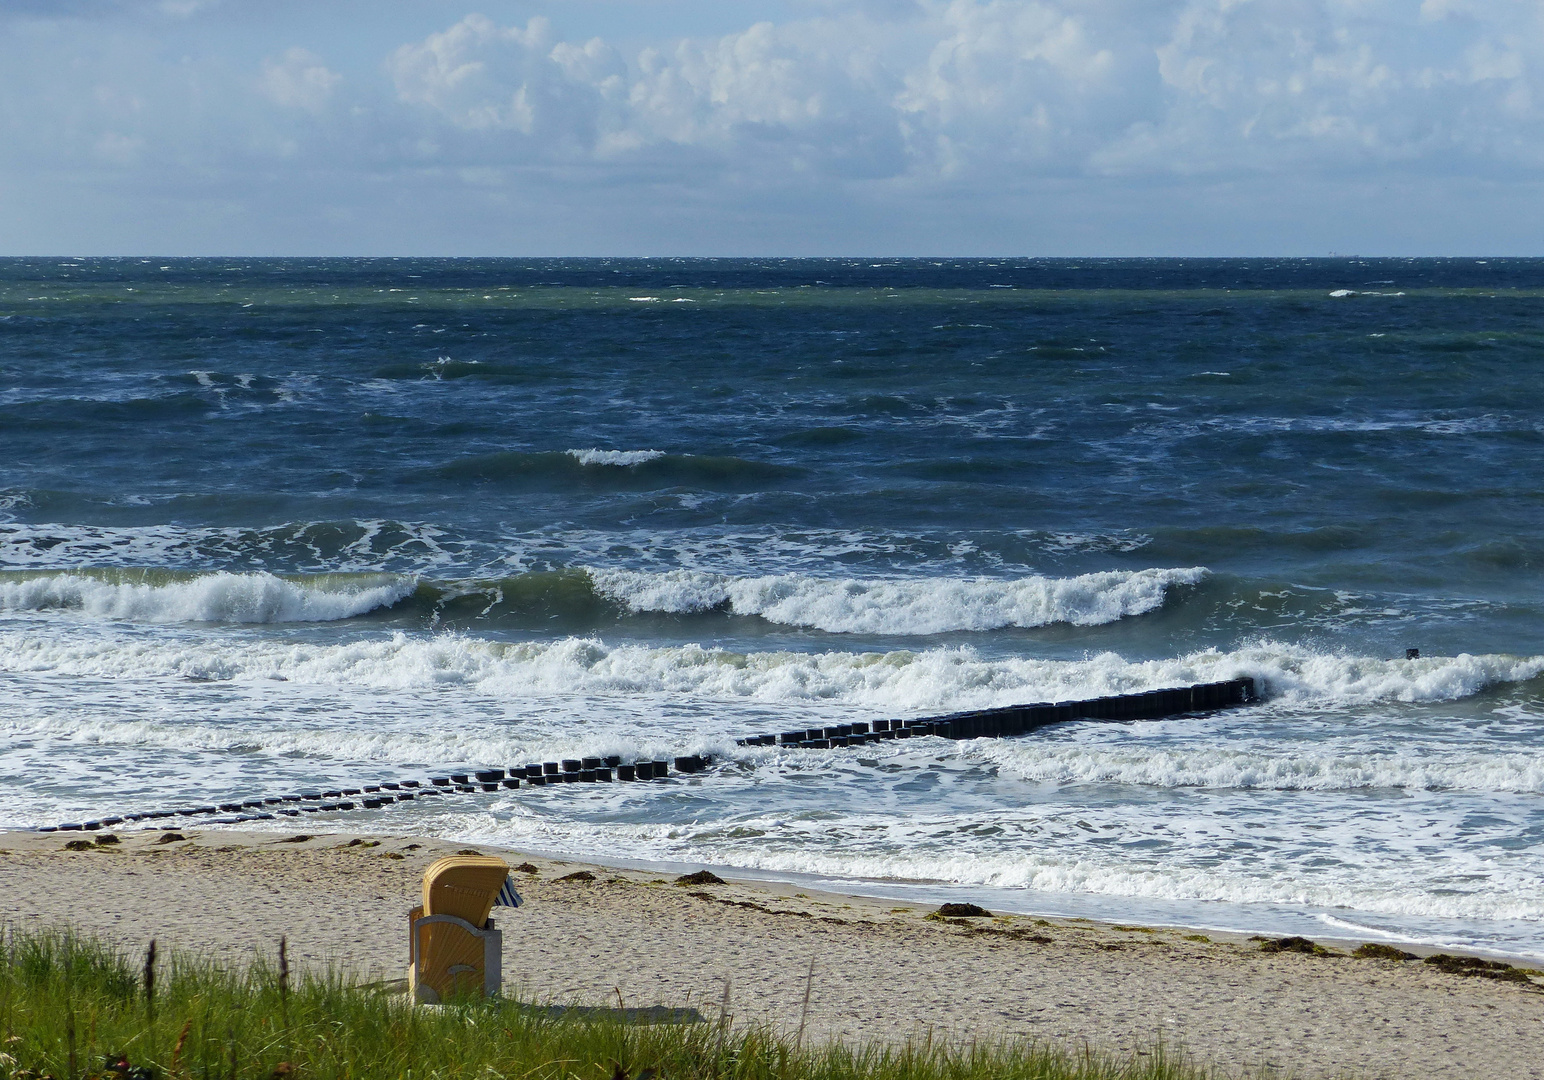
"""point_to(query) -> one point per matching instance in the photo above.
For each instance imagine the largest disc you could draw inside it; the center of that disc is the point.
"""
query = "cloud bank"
(847, 118)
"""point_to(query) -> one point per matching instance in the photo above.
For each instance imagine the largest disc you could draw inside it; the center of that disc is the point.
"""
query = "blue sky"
(800, 127)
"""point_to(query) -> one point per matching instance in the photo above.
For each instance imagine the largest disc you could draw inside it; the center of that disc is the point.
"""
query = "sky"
(777, 128)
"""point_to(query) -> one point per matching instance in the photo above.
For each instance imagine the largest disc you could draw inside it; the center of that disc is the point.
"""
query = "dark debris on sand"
(962, 911)
(1475, 967)
(1378, 951)
(701, 877)
(1295, 945)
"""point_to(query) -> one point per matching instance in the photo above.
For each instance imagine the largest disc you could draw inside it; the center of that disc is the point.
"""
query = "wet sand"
(872, 969)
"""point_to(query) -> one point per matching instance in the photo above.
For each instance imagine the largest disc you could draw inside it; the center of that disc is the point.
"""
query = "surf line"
(1004, 722)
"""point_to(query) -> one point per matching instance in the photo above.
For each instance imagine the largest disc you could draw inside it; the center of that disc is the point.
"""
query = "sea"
(270, 525)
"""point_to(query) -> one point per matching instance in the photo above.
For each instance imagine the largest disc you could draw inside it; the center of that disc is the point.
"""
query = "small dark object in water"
(1412, 654)
(701, 877)
(1377, 951)
(962, 911)
(582, 875)
(1294, 944)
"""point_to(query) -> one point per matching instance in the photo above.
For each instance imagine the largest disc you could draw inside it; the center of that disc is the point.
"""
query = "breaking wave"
(901, 681)
(908, 606)
(621, 458)
(586, 599)
(163, 597)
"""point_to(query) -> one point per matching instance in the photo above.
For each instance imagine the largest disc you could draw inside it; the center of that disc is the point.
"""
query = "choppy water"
(268, 524)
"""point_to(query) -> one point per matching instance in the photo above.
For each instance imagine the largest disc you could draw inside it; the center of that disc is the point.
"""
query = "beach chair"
(453, 946)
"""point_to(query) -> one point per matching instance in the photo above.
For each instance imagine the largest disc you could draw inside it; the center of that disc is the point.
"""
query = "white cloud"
(298, 80)
(971, 108)
(1031, 84)
(816, 101)
(971, 88)
(483, 77)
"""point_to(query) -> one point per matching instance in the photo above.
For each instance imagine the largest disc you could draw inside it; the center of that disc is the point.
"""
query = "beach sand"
(881, 969)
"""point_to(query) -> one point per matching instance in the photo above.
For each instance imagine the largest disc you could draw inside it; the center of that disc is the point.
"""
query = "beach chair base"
(493, 957)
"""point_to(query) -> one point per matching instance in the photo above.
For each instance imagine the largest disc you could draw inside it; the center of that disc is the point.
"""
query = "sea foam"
(900, 606)
(900, 681)
(1315, 767)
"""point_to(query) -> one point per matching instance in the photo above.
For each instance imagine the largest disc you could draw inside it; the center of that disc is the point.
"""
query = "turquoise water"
(277, 523)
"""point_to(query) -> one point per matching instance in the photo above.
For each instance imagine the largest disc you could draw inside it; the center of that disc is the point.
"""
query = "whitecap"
(911, 606)
(621, 458)
(219, 597)
(900, 681)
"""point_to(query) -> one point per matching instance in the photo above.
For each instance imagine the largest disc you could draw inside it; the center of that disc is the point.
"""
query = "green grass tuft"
(73, 1008)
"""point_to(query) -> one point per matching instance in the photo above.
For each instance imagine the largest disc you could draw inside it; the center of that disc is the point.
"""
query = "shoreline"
(915, 893)
(1006, 901)
(873, 969)
(910, 893)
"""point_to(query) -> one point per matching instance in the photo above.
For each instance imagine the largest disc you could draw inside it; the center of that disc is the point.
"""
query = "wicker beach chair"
(453, 946)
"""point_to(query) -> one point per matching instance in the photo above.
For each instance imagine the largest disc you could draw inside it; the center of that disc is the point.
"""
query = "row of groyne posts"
(1005, 722)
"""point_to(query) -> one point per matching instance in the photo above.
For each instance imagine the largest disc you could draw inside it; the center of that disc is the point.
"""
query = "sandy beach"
(881, 970)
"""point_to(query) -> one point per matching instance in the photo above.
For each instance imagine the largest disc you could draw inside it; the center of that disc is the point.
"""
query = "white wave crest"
(1296, 673)
(900, 606)
(902, 681)
(1268, 768)
(619, 458)
(219, 597)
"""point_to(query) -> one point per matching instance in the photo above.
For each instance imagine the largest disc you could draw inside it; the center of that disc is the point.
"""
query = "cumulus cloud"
(850, 105)
(1062, 86)
(1277, 84)
(298, 80)
(478, 76)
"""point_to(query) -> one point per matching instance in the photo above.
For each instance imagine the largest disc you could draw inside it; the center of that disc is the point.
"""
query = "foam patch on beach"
(900, 681)
(216, 598)
(969, 850)
(900, 606)
(1392, 894)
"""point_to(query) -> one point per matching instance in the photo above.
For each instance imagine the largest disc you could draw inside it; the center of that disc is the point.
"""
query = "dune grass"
(72, 1007)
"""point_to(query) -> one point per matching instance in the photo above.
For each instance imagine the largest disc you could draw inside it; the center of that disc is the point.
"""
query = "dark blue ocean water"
(266, 523)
